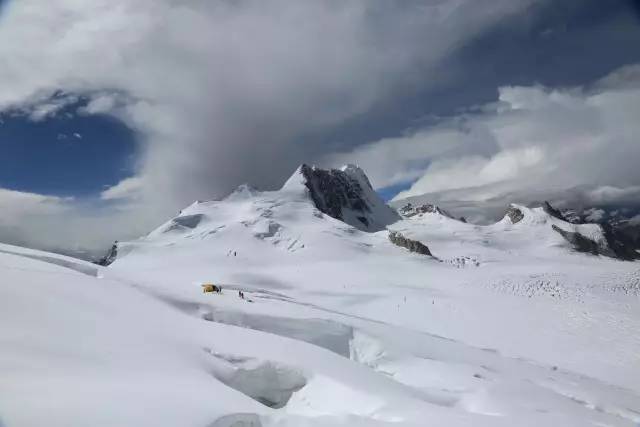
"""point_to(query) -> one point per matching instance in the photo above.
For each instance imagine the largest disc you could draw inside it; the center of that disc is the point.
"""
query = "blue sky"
(173, 108)
(66, 155)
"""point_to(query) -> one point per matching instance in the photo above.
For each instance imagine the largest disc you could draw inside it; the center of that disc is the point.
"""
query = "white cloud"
(63, 223)
(101, 103)
(222, 92)
(18, 204)
(610, 194)
(395, 160)
(127, 189)
(50, 108)
(532, 139)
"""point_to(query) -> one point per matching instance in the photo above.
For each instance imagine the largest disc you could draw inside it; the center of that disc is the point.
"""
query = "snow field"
(504, 326)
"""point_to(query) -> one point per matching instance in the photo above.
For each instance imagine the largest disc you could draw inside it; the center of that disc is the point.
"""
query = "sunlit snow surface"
(504, 326)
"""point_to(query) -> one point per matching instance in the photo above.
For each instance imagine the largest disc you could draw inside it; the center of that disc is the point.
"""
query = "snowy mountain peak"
(409, 210)
(345, 194)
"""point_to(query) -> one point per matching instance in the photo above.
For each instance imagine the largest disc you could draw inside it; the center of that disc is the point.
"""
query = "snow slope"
(506, 325)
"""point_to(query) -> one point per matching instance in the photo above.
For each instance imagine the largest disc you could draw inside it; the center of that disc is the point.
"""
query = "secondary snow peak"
(409, 210)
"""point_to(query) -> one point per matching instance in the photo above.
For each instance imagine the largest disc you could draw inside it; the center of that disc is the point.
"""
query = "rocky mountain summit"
(410, 210)
(345, 194)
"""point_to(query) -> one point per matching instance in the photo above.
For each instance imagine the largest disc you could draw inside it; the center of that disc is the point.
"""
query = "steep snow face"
(345, 194)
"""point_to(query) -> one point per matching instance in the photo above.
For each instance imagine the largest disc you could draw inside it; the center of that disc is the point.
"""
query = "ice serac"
(345, 194)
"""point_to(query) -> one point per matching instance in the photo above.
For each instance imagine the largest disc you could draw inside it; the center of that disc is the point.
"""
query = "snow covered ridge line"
(317, 202)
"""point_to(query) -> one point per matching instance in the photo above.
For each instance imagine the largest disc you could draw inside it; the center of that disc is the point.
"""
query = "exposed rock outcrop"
(345, 194)
(615, 245)
(621, 226)
(514, 214)
(110, 257)
(619, 239)
(581, 243)
(621, 242)
(413, 245)
(553, 211)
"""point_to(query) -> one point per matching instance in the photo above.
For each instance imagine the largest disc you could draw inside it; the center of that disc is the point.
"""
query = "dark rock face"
(110, 257)
(579, 242)
(621, 243)
(334, 192)
(413, 245)
(514, 214)
(546, 206)
(331, 190)
(621, 231)
(616, 245)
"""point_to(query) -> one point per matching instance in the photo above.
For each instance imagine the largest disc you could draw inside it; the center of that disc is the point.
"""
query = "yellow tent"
(210, 287)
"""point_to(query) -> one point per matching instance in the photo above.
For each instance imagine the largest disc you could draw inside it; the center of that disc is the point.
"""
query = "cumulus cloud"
(224, 92)
(66, 224)
(127, 189)
(18, 204)
(530, 141)
(398, 160)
